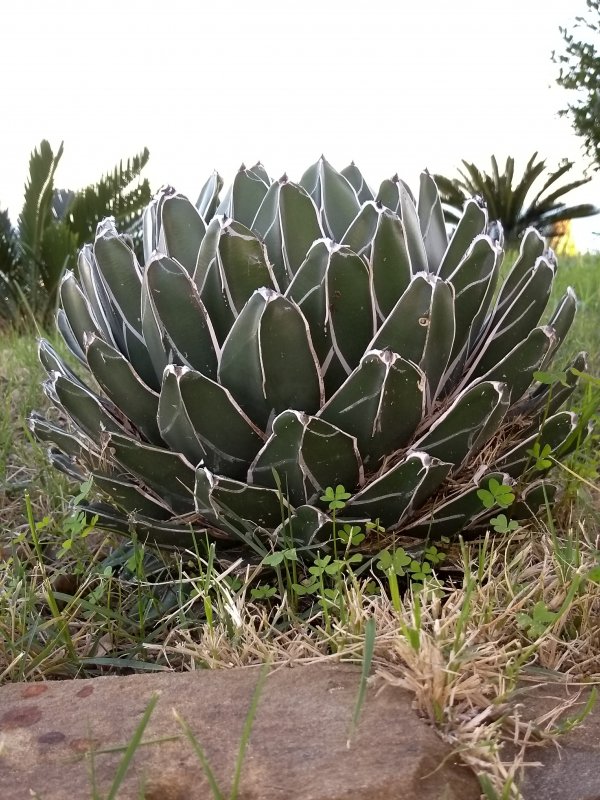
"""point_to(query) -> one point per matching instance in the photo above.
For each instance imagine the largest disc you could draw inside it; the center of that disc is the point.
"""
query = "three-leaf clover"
(540, 456)
(497, 494)
(393, 561)
(336, 498)
(501, 524)
(540, 619)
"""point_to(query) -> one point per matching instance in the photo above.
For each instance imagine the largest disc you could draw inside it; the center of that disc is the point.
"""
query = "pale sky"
(394, 86)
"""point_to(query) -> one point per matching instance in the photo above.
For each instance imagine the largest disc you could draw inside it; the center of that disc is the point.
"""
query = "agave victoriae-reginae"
(291, 337)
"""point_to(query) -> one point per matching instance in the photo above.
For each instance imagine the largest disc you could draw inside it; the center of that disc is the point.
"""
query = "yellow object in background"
(561, 240)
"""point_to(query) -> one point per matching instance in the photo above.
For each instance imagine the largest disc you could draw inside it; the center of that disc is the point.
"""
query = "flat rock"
(297, 748)
(569, 765)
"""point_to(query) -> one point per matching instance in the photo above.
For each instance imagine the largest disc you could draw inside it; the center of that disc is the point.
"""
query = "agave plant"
(293, 337)
(510, 202)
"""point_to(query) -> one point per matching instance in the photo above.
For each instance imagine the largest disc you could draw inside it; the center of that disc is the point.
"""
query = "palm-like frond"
(39, 190)
(507, 202)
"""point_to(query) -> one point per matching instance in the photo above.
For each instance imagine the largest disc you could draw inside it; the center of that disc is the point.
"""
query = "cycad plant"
(55, 223)
(294, 337)
(509, 201)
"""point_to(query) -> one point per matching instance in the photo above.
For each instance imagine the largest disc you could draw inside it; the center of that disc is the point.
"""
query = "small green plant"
(497, 494)
(540, 618)
(502, 524)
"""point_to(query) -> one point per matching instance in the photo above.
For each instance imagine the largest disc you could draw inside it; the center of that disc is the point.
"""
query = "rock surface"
(297, 746)
(569, 766)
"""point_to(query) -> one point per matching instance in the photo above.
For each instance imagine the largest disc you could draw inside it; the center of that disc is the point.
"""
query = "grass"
(78, 602)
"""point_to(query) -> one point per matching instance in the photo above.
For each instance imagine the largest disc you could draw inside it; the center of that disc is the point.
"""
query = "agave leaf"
(230, 440)
(308, 455)
(181, 230)
(555, 431)
(546, 399)
(538, 495)
(123, 387)
(507, 327)
(208, 198)
(562, 319)
(431, 219)
(460, 511)
(471, 225)
(52, 362)
(168, 474)
(359, 235)
(94, 291)
(69, 338)
(300, 227)
(389, 497)
(389, 194)
(474, 280)
(381, 404)
(517, 367)
(390, 263)
(78, 310)
(71, 443)
(421, 327)
(334, 197)
(256, 504)
(306, 527)
(66, 465)
(163, 534)
(121, 274)
(173, 421)
(468, 424)
(131, 497)
(351, 313)
(247, 193)
(268, 362)
(308, 290)
(532, 247)
(82, 405)
(243, 264)
(412, 229)
(356, 179)
(186, 333)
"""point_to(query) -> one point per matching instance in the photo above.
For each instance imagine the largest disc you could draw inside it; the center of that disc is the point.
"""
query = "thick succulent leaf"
(531, 249)
(457, 513)
(71, 443)
(390, 497)
(538, 495)
(517, 367)
(468, 424)
(546, 399)
(181, 230)
(471, 225)
(52, 362)
(256, 504)
(431, 218)
(308, 290)
(69, 338)
(124, 387)
(87, 410)
(229, 438)
(420, 328)
(243, 264)
(389, 194)
(356, 179)
(474, 281)
(562, 319)
(306, 528)
(173, 422)
(359, 235)
(351, 312)
(511, 324)
(288, 223)
(182, 323)
(390, 263)
(121, 274)
(308, 455)
(78, 310)
(66, 465)
(131, 498)
(412, 229)
(208, 199)
(334, 197)
(381, 404)
(268, 361)
(95, 291)
(555, 431)
(245, 196)
(168, 474)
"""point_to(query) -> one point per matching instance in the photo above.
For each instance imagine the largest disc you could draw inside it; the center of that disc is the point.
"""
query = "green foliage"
(510, 202)
(54, 224)
(294, 362)
(579, 73)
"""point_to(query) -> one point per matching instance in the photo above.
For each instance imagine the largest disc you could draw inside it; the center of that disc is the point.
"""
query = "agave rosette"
(291, 337)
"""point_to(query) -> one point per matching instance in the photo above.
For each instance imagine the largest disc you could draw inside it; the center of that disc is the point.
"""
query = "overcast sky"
(396, 86)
